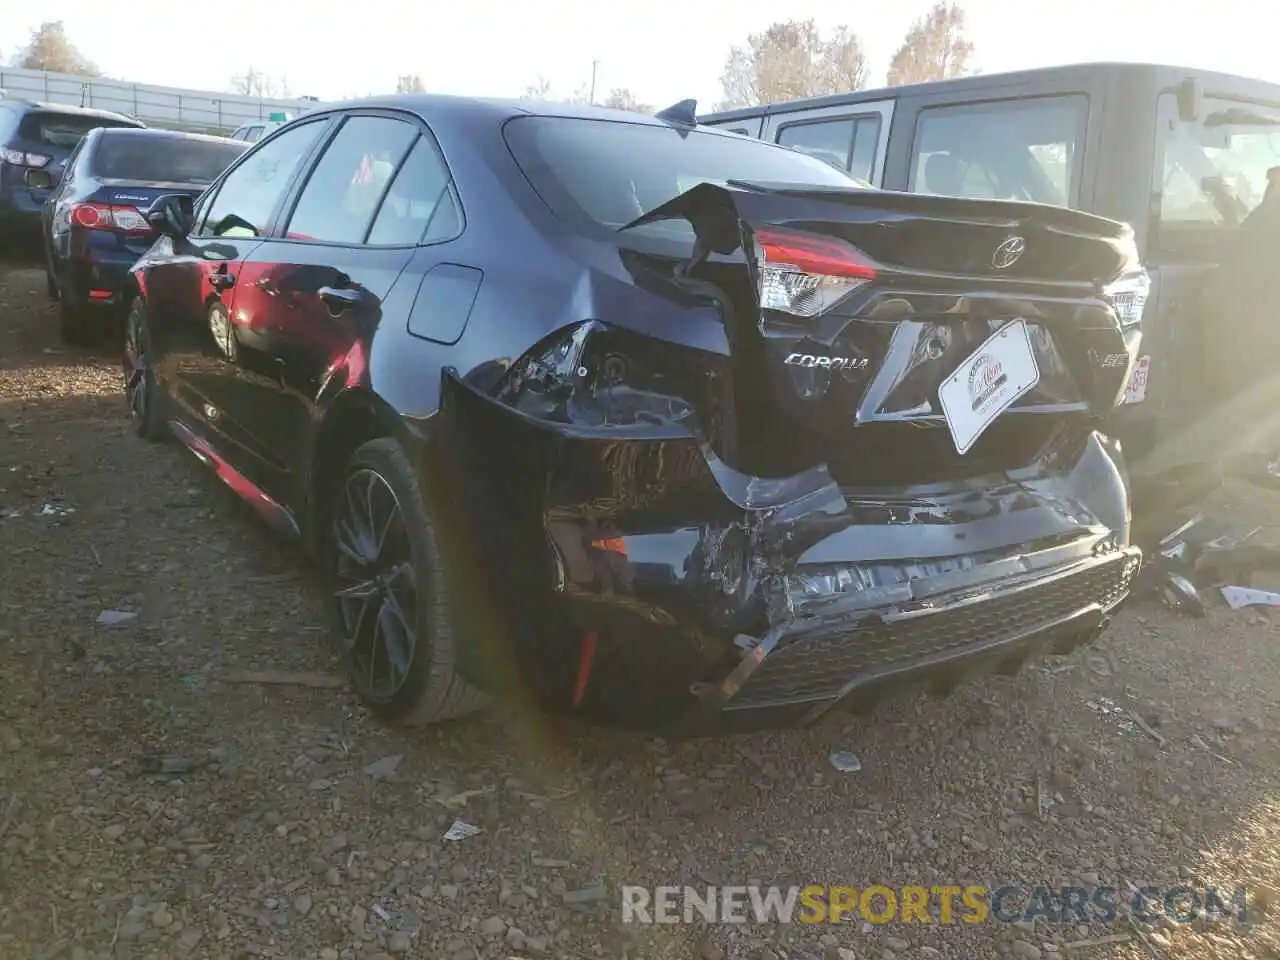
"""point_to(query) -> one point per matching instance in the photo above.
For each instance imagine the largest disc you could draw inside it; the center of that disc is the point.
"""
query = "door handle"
(222, 280)
(339, 298)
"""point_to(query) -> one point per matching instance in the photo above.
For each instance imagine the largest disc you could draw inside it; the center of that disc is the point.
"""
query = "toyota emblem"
(1009, 253)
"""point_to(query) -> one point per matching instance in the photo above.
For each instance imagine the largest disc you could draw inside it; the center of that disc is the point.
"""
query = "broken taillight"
(805, 274)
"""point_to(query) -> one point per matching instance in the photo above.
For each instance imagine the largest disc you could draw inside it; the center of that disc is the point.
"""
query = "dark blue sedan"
(635, 418)
(94, 221)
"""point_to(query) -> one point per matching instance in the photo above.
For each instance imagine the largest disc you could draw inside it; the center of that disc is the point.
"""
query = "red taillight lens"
(101, 216)
(805, 274)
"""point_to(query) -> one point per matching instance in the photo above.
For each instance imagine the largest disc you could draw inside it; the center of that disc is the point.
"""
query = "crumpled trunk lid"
(847, 371)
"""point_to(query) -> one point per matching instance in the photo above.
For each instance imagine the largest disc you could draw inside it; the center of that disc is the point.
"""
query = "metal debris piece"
(846, 761)
(109, 618)
(1239, 597)
(461, 830)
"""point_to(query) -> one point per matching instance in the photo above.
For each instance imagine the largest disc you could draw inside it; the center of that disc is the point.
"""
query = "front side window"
(1213, 171)
(606, 173)
(248, 196)
(848, 143)
(339, 201)
(1028, 149)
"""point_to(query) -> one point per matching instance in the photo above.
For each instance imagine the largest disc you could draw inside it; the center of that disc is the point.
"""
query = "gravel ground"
(154, 804)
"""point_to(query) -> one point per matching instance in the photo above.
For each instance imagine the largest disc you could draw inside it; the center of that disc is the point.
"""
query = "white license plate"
(986, 384)
(1136, 392)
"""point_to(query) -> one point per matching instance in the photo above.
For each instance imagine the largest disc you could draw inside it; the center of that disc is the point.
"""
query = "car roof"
(435, 105)
(1011, 78)
(154, 133)
(69, 110)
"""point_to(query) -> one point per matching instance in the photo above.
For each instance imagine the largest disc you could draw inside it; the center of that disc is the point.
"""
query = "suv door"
(313, 295)
(191, 293)
(853, 137)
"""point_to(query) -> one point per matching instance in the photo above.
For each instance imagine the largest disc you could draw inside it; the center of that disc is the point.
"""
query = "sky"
(663, 50)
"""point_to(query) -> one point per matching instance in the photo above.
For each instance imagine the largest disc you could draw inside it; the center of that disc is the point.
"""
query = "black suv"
(39, 136)
(1189, 158)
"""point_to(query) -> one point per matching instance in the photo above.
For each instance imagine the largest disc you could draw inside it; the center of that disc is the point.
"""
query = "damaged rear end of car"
(801, 442)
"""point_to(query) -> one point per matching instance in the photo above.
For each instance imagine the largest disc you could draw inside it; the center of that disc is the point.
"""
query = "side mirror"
(38, 178)
(172, 215)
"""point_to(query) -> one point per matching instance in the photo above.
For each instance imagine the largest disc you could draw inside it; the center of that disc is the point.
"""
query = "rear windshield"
(62, 130)
(607, 172)
(163, 159)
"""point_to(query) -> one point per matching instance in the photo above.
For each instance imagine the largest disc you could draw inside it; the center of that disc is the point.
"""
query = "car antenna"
(684, 113)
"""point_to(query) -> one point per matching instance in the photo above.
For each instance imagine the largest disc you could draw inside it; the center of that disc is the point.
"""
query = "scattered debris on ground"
(198, 782)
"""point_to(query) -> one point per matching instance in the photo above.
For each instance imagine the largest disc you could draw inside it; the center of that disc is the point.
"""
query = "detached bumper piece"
(821, 662)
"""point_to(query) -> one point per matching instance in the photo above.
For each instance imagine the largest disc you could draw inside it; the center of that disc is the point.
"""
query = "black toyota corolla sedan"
(659, 424)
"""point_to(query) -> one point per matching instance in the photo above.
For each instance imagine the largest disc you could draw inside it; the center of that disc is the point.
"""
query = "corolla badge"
(1009, 253)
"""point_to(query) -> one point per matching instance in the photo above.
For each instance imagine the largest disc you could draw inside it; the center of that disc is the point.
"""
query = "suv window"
(61, 130)
(338, 203)
(1213, 172)
(848, 143)
(1028, 149)
(249, 194)
(420, 206)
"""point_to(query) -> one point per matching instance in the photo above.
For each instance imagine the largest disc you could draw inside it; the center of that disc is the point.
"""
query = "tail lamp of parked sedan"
(101, 216)
(18, 158)
(806, 274)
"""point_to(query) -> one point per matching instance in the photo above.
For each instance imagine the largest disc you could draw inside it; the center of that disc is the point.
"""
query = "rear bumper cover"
(648, 584)
(834, 650)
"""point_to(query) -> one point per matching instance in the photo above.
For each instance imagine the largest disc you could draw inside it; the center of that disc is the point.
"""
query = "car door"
(313, 296)
(192, 293)
(853, 137)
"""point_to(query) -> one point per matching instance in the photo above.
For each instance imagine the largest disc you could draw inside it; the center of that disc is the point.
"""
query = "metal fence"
(170, 107)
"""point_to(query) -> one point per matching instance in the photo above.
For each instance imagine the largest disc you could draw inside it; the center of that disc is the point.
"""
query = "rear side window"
(339, 201)
(157, 157)
(848, 143)
(1027, 149)
(420, 206)
(249, 194)
(60, 130)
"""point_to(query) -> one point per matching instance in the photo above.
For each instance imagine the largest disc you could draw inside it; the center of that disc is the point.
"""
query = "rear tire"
(141, 391)
(50, 283)
(393, 611)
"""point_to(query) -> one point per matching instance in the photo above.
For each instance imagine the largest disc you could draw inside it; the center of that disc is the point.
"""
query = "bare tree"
(50, 49)
(793, 60)
(620, 98)
(410, 83)
(251, 83)
(934, 49)
(540, 89)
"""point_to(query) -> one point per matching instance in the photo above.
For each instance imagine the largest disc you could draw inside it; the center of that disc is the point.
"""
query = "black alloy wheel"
(140, 389)
(390, 597)
(375, 584)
